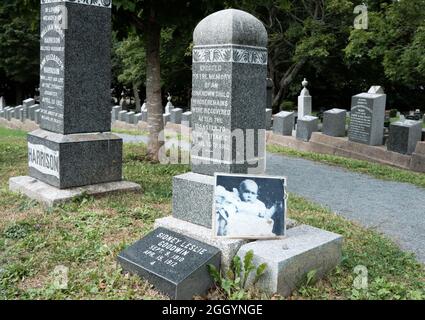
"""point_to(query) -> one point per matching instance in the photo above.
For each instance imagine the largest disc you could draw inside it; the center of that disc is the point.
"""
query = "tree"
(148, 18)
(19, 44)
(302, 34)
(394, 45)
(133, 60)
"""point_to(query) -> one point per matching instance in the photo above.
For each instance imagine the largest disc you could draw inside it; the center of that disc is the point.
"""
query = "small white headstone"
(169, 105)
(304, 101)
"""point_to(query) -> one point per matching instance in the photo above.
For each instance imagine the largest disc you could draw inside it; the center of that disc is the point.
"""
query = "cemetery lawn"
(87, 234)
(378, 171)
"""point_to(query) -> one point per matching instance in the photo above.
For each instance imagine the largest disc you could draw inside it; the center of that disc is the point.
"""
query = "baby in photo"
(241, 211)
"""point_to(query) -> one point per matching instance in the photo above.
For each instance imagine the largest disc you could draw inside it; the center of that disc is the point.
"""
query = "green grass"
(373, 169)
(87, 234)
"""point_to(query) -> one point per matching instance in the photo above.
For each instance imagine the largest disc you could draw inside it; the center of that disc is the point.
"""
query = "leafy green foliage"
(233, 282)
(19, 42)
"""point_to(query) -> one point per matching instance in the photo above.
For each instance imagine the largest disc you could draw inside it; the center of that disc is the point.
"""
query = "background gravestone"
(404, 135)
(187, 118)
(176, 115)
(269, 114)
(283, 123)
(368, 117)
(334, 122)
(306, 126)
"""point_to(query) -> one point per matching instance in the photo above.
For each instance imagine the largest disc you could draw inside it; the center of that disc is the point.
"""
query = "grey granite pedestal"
(193, 195)
(66, 161)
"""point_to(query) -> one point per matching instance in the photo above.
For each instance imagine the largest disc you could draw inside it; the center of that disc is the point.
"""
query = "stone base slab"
(228, 247)
(51, 196)
(289, 260)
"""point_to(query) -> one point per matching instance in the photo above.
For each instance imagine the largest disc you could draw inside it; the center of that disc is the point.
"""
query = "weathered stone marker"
(334, 122)
(176, 115)
(306, 126)
(74, 146)
(368, 117)
(283, 123)
(404, 135)
(187, 118)
(175, 264)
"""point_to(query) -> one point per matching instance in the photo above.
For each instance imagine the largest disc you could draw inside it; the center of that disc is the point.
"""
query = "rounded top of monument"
(230, 26)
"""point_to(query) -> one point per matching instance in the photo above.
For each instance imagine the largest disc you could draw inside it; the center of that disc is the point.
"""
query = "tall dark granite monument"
(74, 146)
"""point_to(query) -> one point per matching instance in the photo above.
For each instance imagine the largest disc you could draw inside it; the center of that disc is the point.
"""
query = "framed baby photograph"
(249, 206)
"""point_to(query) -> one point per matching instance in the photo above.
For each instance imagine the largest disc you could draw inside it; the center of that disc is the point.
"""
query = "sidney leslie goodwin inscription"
(175, 264)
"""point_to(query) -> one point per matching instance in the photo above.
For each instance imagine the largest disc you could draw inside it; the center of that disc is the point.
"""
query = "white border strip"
(236, 54)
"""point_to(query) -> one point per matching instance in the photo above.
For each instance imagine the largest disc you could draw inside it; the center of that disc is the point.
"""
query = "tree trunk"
(19, 93)
(137, 97)
(286, 80)
(153, 86)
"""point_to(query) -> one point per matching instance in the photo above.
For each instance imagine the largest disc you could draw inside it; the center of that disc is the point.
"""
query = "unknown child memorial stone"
(367, 117)
(74, 146)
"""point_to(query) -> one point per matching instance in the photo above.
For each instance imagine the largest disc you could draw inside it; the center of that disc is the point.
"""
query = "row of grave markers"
(29, 110)
(366, 125)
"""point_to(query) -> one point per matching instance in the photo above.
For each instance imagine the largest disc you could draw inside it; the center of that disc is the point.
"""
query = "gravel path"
(392, 208)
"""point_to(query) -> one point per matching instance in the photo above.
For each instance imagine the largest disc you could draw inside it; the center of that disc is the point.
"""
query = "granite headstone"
(283, 123)
(404, 135)
(176, 115)
(367, 117)
(175, 264)
(75, 66)
(334, 122)
(228, 95)
(269, 118)
(187, 119)
(73, 147)
(306, 126)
